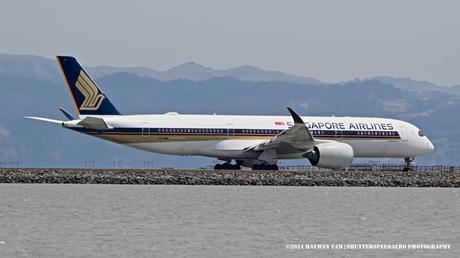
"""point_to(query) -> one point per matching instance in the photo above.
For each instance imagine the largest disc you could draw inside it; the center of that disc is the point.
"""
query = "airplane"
(257, 142)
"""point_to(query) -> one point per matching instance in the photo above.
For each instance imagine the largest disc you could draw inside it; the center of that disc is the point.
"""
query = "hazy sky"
(328, 40)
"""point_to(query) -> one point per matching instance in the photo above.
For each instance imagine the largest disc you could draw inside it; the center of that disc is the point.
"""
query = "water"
(209, 221)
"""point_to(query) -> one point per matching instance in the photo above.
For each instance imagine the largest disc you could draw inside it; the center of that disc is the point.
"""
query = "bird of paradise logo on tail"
(93, 99)
(87, 97)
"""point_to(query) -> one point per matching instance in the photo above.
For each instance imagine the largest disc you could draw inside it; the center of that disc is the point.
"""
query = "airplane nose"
(429, 146)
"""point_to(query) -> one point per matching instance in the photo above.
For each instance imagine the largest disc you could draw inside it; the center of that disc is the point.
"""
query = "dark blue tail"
(86, 96)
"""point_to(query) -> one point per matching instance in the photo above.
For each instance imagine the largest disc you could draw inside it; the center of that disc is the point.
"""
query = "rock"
(231, 177)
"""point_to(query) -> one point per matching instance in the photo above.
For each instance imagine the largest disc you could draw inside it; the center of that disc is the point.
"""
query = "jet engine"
(331, 155)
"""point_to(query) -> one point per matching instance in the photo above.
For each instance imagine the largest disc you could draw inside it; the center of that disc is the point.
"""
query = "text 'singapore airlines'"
(250, 141)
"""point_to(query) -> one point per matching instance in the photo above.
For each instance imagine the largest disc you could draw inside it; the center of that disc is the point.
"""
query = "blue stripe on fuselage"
(237, 132)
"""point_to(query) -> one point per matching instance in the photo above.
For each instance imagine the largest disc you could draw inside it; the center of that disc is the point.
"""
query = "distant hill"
(28, 66)
(412, 85)
(455, 89)
(196, 72)
(37, 67)
(33, 86)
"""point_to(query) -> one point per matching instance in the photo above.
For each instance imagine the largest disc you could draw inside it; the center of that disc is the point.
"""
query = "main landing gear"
(264, 166)
(227, 166)
(408, 166)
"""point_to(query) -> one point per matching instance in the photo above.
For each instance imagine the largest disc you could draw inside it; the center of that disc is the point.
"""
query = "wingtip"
(297, 118)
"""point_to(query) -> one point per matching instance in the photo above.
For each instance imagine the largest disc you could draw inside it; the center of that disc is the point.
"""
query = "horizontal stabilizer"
(45, 119)
(66, 114)
(94, 123)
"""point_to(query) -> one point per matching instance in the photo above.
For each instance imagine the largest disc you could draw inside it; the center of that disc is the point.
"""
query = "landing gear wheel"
(236, 167)
(273, 167)
(256, 167)
(265, 167)
(227, 166)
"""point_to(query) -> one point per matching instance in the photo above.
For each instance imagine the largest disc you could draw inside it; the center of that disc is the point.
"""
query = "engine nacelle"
(331, 155)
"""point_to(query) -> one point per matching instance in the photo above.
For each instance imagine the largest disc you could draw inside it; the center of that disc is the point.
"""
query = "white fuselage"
(226, 136)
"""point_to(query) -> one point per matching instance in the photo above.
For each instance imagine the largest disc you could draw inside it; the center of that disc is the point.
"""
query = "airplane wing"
(295, 139)
(94, 123)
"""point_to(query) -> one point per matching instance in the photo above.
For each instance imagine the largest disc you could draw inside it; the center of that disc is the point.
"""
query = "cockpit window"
(420, 133)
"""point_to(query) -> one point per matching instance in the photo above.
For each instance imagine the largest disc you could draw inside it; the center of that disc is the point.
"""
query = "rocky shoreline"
(243, 177)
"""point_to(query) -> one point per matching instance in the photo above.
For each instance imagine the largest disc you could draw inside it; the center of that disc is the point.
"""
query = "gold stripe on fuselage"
(127, 137)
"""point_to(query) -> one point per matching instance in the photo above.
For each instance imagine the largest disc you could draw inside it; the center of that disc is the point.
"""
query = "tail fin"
(86, 96)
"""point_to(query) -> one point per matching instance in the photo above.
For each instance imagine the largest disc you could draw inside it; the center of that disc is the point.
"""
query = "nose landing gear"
(408, 166)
